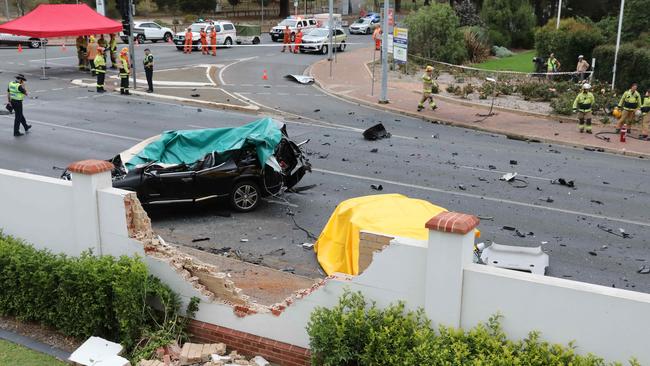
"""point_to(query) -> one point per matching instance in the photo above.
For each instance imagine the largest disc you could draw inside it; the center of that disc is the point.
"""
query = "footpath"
(351, 80)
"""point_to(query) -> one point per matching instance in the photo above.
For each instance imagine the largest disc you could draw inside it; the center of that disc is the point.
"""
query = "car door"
(229, 31)
(156, 31)
(170, 184)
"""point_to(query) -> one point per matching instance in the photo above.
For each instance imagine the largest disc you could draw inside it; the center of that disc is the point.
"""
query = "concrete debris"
(376, 132)
(307, 245)
(644, 269)
(151, 363)
(220, 358)
(377, 187)
(564, 182)
(259, 361)
(96, 350)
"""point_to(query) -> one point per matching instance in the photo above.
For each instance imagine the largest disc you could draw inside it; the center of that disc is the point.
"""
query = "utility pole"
(7, 9)
(559, 12)
(131, 46)
(618, 42)
(331, 32)
(383, 99)
(262, 24)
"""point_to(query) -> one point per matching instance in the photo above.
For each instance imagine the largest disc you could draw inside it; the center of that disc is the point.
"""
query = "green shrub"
(632, 66)
(563, 104)
(511, 22)
(536, 91)
(434, 34)
(574, 37)
(80, 296)
(356, 332)
(453, 89)
(501, 52)
(476, 44)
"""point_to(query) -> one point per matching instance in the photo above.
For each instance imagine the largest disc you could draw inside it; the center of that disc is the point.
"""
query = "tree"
(467, 13)
(434, 33)
(574, 37)
(510, 22)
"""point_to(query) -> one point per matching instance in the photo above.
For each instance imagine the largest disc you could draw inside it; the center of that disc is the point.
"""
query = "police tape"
(221, 45)
(523, 73)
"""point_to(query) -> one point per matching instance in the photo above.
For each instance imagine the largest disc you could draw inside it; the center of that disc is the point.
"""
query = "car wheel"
(368, 30)
(34, 43)
(179, 48)
(167, 37)
(324, 49)
(293, 37)
(245, 196)
(256, 40)
(228, 42)
(274, 39)
(140, 38)
(342, 46)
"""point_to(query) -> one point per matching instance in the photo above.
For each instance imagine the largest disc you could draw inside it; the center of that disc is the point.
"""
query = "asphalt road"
(452, 167)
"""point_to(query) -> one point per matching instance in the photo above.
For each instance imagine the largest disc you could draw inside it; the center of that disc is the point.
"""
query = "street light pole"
(330, 24)
(618, 42)
(559, 12)
(384, 56)
(7, 9)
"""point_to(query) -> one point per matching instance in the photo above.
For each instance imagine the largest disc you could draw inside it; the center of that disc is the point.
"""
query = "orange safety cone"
(20, 48)
(265, 76)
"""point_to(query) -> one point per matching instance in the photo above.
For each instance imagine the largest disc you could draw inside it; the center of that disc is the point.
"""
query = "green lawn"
(12, 354)
(522, 61)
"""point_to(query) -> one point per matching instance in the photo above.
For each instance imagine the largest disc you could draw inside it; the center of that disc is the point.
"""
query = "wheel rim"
(245, 197)
(228, 42)
(36, 44)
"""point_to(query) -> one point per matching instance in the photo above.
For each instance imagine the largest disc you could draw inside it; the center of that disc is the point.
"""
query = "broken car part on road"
(524, 259)
(302, 79)
(376, 132)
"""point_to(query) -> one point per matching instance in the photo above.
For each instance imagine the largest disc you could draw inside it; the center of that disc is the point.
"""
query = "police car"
(226, 33)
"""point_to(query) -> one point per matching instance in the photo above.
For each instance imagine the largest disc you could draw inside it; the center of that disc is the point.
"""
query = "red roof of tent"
(59, 20)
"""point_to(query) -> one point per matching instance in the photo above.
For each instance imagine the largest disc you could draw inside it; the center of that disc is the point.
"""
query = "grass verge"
(522, 61)
(13, 354)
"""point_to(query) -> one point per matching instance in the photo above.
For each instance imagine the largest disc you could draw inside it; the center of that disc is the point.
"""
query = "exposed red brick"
(90, 167)
(249, 344)
(453, 222)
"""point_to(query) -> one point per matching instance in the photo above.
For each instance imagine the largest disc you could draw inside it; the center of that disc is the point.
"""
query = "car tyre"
(324, 49)
(293, 37)
(179, 48)
(167, 37)
(342, 46)
(245, 196)
(228, 42)
(34, 43)
(256, 40)
(140, 38)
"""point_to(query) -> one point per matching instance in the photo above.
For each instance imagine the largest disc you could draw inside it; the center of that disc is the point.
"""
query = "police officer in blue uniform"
(16, 93)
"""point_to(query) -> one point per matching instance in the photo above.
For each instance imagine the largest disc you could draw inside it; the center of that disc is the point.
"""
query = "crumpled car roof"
(189, 146)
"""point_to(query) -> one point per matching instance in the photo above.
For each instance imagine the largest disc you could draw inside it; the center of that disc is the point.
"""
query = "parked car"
(317, 40)
(363, 26)
(149, 31)
(373, 16)
(248, 33)
(216, 162)
(277, 32)
(13, 39)
(226, 33)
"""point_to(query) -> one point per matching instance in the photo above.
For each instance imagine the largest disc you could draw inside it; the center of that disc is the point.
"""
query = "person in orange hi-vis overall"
(188, 41)
(298, 41)
(204, 42)
(287, 39)
(376, 35)
(213, 41)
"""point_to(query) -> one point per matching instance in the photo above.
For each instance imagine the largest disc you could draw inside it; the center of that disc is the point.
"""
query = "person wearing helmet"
(645, 109)
(100, 69)
(427, 89)
(582, 105)
(582, 67)
(124, 71)
(629, 103)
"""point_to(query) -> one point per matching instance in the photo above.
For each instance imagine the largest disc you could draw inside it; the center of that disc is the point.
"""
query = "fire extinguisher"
(623, 132)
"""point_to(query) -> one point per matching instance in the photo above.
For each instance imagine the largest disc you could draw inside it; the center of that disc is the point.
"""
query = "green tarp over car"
(190, 146)
(248, 30)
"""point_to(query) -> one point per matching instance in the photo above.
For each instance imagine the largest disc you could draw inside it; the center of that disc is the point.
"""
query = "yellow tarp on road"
(337, 247)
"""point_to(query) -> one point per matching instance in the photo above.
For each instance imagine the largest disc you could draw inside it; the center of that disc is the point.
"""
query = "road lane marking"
(485, 198)
(80, 129)
(230, 64)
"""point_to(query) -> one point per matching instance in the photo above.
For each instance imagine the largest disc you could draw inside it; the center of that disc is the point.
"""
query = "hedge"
(79, 296)
(574, 37)
(356, 332)
(632, 66)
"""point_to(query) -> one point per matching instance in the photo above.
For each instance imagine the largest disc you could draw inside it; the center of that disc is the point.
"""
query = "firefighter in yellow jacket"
(427, 90)
(124, 67)
(100, 69)
(82, 44)
(582, 105)
(645, 109)
(629, 103)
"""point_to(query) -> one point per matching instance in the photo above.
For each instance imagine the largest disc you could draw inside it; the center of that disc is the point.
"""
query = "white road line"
(57, 89)
(230, 64)
(52, 58)
(484, 198)
(265, 93)
(207, 74)
(502, 172)
(80, 129)
(197, 126)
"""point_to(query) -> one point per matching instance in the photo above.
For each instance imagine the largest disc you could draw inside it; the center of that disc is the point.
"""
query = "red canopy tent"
(60, 20)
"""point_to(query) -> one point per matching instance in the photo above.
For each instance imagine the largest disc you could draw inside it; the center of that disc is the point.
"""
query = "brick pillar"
(88, 176)
(451, 245)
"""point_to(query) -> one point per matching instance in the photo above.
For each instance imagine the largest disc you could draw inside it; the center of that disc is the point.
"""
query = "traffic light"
(126, 26)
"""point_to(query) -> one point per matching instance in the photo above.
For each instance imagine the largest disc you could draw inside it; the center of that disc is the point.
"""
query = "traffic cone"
(20, 48)
(265, 76)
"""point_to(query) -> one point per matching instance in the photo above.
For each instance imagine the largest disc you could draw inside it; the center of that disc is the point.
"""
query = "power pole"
(7, 9)
(618, 42)
(559, 12)
(383, 99)
(131, 46)
(331, 32)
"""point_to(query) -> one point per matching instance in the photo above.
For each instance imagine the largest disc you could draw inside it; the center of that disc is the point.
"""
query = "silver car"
(364, 26)
(317, 40)
(12, 39)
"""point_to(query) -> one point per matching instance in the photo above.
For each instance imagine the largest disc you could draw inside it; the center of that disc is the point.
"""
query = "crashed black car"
(243, 164)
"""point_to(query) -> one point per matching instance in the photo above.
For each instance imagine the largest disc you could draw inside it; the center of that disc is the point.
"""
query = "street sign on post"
(400, 45)
(389, 44)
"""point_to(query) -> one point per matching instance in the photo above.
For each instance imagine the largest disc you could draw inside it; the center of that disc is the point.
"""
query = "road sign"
(400, 45)
(391, 17)
(389, 44)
